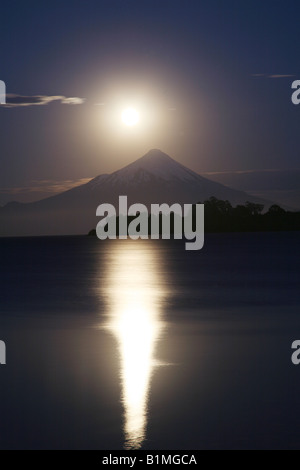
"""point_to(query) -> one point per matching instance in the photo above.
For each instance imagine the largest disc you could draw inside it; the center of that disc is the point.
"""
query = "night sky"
(212, 80)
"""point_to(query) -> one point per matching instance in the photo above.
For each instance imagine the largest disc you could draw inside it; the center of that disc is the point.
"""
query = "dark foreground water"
(124, 344)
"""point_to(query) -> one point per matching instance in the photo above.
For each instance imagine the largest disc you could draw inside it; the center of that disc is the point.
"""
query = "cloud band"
(16, 101)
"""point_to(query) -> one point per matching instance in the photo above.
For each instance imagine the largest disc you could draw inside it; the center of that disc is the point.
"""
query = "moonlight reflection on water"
(135, 294)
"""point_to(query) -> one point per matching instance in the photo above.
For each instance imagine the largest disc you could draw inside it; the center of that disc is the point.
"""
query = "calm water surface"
(142, 345)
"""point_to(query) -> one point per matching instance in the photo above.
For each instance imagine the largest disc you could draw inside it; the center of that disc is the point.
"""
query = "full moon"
(130, 117)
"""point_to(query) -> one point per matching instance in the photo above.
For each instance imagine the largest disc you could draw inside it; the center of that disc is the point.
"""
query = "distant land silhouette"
(153, 179)
(221, 216)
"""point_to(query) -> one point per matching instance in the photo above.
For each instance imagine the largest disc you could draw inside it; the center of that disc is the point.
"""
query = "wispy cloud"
(44, 187)
(16, 101)
(75, 100)
(244, 172)
(282, 76)
(266, 75)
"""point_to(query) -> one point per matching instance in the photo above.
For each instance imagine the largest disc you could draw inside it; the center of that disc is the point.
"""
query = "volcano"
(155, 178)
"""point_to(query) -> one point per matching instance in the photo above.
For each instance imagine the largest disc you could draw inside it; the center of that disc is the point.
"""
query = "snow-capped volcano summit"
(155, 164)
(159, 165)
(158, 178)
(153, 179)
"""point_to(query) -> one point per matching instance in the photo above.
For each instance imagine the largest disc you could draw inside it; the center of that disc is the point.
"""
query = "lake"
(142, 345)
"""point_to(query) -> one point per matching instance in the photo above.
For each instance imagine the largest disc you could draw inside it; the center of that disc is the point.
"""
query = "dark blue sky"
(190, 64)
